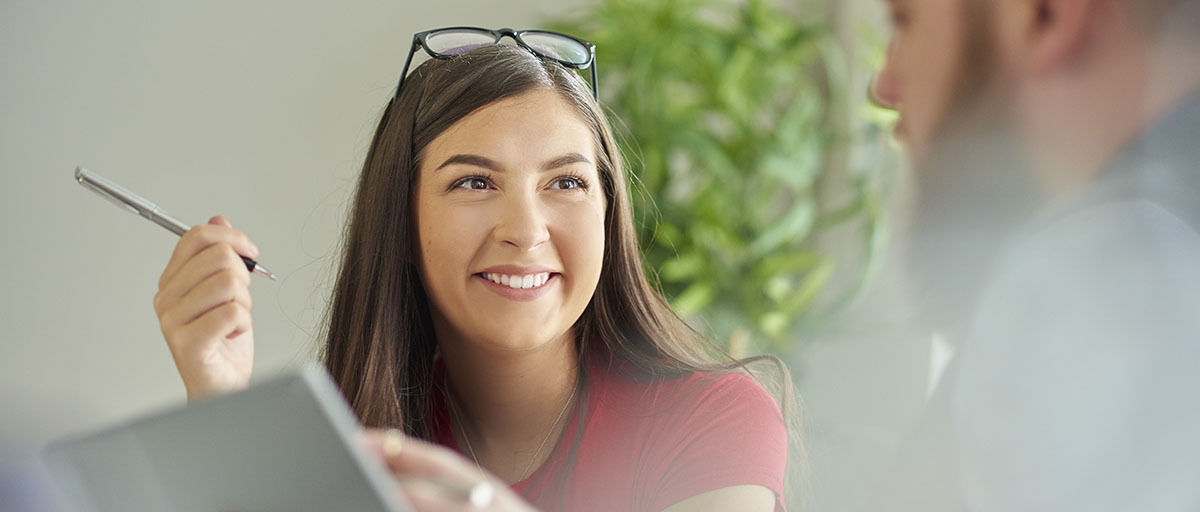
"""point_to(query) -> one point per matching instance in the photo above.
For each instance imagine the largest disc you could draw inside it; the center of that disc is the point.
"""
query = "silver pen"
(136, 204)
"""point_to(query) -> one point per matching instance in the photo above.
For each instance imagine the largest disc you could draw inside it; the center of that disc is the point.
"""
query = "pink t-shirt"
(647, 444)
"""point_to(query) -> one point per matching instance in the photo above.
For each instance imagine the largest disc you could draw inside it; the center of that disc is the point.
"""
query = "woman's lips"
(518, 281)
(518, 287)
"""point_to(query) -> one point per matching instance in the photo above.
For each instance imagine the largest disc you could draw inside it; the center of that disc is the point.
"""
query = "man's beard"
(974, 189)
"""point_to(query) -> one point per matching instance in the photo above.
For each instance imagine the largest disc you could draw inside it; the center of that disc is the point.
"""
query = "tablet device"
(288, 444)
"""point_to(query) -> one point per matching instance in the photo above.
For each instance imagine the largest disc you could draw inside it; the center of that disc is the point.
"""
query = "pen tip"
(262, 271)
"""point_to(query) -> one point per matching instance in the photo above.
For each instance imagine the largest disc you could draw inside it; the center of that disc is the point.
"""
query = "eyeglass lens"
(457, 42)
(558, 47)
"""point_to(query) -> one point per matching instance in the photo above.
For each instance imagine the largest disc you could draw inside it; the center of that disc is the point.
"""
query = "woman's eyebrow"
(475, 160)
(565, 160)
(487, 163)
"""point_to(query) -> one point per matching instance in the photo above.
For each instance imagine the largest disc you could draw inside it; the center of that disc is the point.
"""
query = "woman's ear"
(1057, 31)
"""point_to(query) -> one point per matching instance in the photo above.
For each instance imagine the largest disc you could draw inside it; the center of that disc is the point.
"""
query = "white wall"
(258, 110)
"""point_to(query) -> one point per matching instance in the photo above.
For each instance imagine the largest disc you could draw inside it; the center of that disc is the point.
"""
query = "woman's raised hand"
(436, 478)
(203, 306)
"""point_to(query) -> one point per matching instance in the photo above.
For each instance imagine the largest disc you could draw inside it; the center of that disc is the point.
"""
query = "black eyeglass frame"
(420, 38)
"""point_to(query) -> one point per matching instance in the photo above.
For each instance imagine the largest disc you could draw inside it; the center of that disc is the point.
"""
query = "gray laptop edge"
(287, 444)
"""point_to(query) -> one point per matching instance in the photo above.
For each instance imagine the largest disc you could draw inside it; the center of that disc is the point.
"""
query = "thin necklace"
(467, 439)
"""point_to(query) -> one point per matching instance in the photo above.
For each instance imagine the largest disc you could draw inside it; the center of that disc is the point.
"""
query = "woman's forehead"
(526, 130)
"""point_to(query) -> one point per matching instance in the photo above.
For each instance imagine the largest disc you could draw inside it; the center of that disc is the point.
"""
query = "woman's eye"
(473, 183)
(568, 183)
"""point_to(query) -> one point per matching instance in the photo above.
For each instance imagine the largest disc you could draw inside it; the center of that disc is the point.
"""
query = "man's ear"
(1057, 32)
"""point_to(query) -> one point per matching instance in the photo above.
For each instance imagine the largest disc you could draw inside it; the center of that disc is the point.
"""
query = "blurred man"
(1057, 148)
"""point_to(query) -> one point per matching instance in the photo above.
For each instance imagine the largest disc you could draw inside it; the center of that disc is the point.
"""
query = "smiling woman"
(512, 231)
(491, 300)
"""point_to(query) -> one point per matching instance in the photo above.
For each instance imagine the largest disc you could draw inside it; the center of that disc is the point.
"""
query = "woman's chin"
(515, 341)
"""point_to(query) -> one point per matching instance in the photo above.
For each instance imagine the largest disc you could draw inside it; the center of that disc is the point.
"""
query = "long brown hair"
(380, 342)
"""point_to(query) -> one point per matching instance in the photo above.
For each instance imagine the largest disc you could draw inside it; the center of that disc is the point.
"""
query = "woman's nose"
(522, 223)
(885, 86)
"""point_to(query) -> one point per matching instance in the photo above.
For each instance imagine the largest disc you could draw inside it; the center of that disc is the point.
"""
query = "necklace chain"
(467, 439)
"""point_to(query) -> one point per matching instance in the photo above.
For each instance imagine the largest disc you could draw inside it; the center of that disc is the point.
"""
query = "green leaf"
(730, 91)
(774, 323)
(695, 298)
(809, 287)
(682, 268)
(792, 227)
(723, 112)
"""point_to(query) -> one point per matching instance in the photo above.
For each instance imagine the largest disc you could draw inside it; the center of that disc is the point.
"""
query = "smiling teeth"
(519, 282)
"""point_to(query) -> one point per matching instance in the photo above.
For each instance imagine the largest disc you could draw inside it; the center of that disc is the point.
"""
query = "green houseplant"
(723, 114)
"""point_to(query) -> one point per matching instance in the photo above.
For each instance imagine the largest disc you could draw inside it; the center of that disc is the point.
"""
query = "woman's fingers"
(436, 478)
(407, 455)
(429, 480)
(203, 305)
(226, 285)
(218, 230)
(212, 275)
(214, 354)
(216, 326)
(430, 495)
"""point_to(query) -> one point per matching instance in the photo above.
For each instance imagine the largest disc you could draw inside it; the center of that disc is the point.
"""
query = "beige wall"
(258, 110)
(262, 111)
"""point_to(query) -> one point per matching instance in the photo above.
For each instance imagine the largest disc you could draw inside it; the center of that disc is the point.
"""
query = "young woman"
(491, 302)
